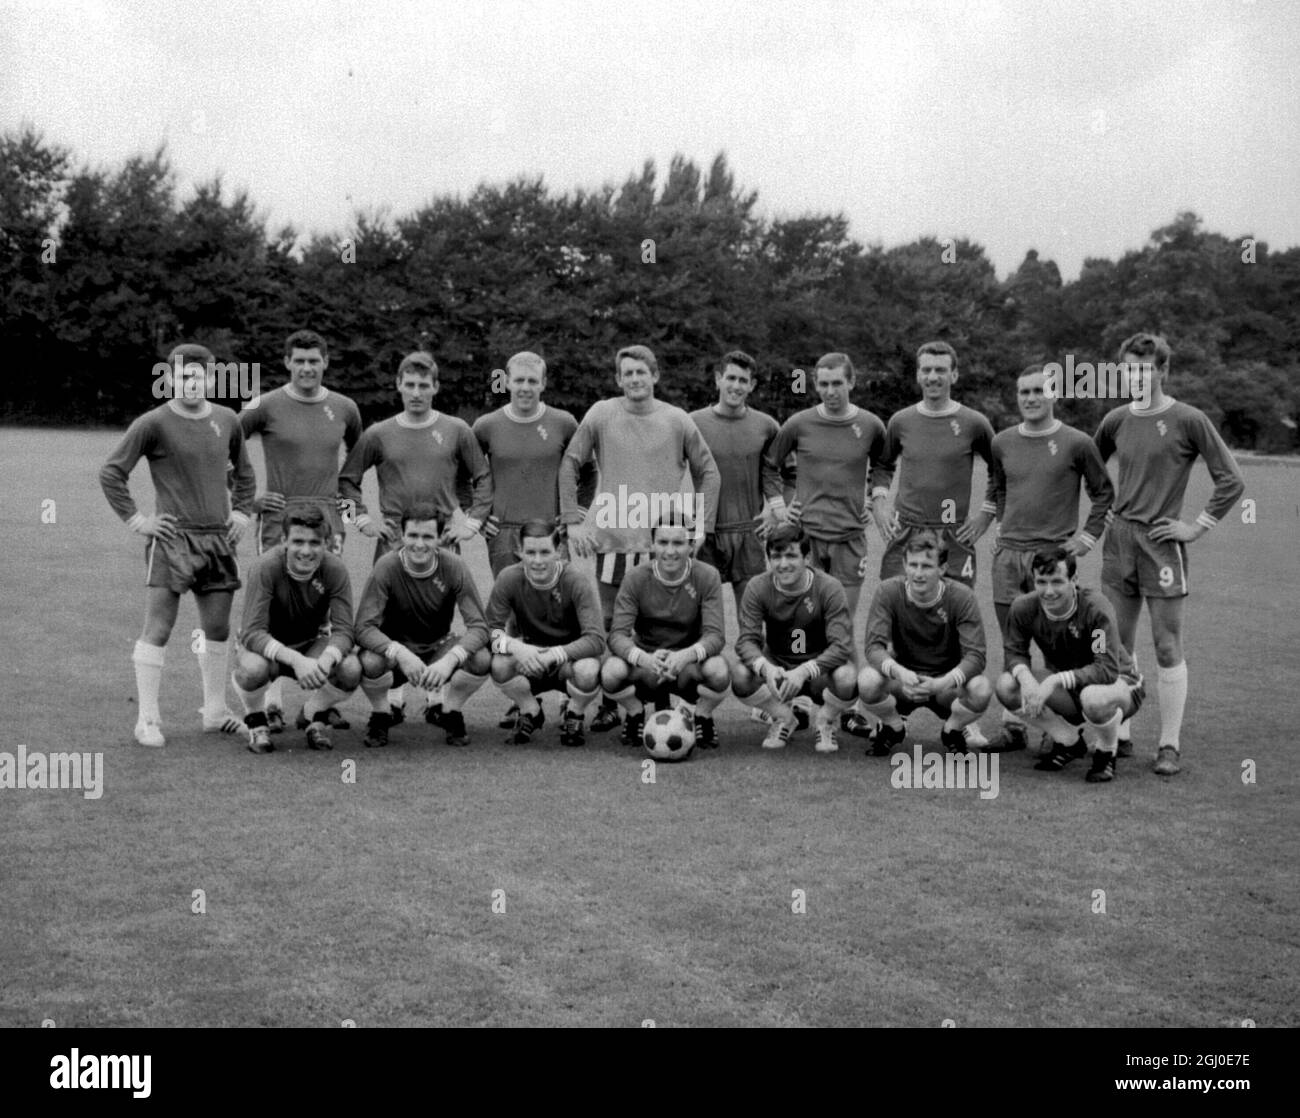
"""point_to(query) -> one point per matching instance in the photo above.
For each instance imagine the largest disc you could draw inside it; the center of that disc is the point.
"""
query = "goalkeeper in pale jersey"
(302, 426)
(196, 456)
(1144, 556)
(643, 448)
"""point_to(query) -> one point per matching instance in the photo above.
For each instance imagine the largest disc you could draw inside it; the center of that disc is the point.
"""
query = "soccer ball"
(669, 734)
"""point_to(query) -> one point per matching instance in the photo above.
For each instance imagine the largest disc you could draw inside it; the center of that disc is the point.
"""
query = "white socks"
(255, 699)
(322, 699)
(1171, 687)
(377, 693)
(275, 693)
(887, 711)
(1107, 732)
(148, 661)
(458, 689)
(520, 692)
(579, 701)
(708, 701)
(961, 716)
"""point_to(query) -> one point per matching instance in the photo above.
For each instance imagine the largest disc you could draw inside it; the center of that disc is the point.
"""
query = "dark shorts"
(1135, 565)
(844, 560)
(503, 548)
(427, 653)
(312, 648)
(737, 554)
(270, 526)
(961, 559)
(1012, 574)
(201, 560)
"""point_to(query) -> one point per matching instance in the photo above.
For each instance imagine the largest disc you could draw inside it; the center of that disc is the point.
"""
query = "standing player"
(738, 438)
(1089, 673)
(931, 446)
(191, 444)
(416, 456)
(1145, 552)
(667, 636)
(1038, 471)
(837, 447)
(796, 638)
(925, 647)
(642, 448)
(557, 638)
(404, 627)
(523, 443)
(302, 426)
(297, 619)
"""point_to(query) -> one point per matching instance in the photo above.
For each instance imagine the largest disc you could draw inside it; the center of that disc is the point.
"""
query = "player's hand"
(920, 691)
(437, 673)
(976, 525)
(270, 502)
(1169, 528)
(582, 541)
(772, 676)
(491, 527)
(162, 526)
(456, 533)
(530, 660)
(368, 527)
(412, 666)
(1077, 547)
(766, 522)
(1033, 696)
(794, 513)
(236, 527)
(310, 674)
(392, 532)
(792, 683)
(886, 520)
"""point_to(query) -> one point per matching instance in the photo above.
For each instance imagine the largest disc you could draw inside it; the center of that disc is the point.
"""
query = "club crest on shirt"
(439, 584)
(329, 414)
(1051, 446)
(216, 427)
(1073, 629)
(690, 589)
(942, 614)
(808, 603)
(1160, 426)
(956, 427)
(857, 431)
(542, 432)
(318, 586)
(436, 435)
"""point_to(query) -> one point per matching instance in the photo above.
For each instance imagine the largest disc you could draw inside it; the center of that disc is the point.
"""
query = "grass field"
(626, 901)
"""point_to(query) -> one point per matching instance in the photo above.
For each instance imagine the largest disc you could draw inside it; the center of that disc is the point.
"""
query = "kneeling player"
(1090, 675)
(925, 648)
(796, 638)
(667, 636)
(404, 627)
(297, 618)
(561, 634)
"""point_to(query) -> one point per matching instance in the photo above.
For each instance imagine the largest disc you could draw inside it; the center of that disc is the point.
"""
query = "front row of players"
(542, 631)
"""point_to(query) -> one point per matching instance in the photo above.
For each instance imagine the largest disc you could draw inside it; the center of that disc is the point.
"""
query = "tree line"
(102, 270)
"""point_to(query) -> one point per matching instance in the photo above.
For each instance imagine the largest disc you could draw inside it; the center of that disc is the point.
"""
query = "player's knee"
(1169, 649)
(372, 664)
(586, 674)
(479, 663)
(1096, 704)
(502, 668)
(871, 685)
(347, 674)
(614, 673)
(1008, 691)
(715, 674)
(743, 682)
(844, 682)
(977, 693)
(252, 671)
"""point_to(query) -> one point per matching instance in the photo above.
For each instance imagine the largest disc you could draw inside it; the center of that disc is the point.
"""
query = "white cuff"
(887, 666)
(240, 518)
(701, 653)
(136, 520)
(458, 654)
(1205, 520)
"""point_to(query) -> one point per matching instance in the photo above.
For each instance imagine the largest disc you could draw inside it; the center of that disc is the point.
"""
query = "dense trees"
(102, 270)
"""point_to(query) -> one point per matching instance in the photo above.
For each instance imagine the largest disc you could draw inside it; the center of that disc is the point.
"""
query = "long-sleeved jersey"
(739, 446)
(934, 454)
(524, 456)
(641, 461)
(792, 627)
(1084, 647)
(416, 464)
(1035, 481)
(650, 615)
(930, 640)
(301, 439)
(280, 607)
(1155, 451)
(416, 610)
(566, 614)
(833, 460)
(190, 457)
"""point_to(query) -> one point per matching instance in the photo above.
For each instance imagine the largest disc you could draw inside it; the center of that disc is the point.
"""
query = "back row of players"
(659, 579)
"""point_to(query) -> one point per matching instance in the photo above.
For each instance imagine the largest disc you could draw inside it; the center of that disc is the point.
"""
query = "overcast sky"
(1073, 128)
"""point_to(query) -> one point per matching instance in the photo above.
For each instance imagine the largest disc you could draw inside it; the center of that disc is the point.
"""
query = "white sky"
(1073, 128)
